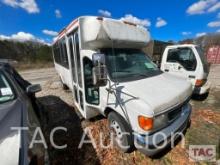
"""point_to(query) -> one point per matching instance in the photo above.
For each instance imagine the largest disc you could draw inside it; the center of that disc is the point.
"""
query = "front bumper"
(153, 144)
(203, 89)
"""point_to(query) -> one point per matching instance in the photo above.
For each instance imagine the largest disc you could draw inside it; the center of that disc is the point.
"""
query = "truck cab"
(109, 74)
(187, 61)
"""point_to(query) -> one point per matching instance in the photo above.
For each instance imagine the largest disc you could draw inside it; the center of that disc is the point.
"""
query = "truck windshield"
(6, 93)
(129, 65)
(203, 59)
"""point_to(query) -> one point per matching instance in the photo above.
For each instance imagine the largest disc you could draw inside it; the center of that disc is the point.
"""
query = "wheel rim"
(116, 130)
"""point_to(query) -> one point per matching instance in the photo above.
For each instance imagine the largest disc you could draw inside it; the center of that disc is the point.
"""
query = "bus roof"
(103, 30)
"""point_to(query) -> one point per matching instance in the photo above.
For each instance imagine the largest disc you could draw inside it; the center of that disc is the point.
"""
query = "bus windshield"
(129, 65)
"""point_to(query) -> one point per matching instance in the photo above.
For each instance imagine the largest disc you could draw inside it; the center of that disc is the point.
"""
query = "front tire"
(121, 131)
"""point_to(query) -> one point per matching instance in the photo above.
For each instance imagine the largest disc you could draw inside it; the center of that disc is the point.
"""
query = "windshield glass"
(129, 65)
(203, 58)
(6, 93)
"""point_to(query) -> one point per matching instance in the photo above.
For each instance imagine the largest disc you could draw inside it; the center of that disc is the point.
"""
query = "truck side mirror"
(32, 89)
(99, 70)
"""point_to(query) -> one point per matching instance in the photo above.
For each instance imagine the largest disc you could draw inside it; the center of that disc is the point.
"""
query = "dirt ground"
(59, 107)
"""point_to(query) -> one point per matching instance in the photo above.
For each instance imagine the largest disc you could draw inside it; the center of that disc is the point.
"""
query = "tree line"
(25, 51)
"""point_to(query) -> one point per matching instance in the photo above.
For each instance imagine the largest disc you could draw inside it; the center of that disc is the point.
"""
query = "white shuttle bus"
(101, 61)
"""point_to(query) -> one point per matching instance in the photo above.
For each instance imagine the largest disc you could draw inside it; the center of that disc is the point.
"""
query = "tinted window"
(72, 58)
(75, 94)
(64, 54)
(56, 53)
(78, 60)
(6, 92)
(60, 53)
(81, 99)
(183, 56)
(14, 74)
(91, 92)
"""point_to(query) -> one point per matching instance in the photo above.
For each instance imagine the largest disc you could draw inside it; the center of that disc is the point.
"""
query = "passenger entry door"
(181, 62)
(76, 70)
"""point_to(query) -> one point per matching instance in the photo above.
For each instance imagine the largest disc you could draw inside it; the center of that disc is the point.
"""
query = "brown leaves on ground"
(179, 155)
(208, 115)
(113, 156)
(100, 133)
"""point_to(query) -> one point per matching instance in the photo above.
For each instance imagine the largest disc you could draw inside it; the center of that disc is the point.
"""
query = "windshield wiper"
(141, 74)
(126, 71)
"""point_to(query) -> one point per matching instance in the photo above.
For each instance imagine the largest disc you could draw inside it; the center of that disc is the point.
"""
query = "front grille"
(172, 115)
(166, 118)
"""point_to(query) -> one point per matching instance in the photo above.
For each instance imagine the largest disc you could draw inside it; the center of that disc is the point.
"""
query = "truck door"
(180, 61)
(76, 70)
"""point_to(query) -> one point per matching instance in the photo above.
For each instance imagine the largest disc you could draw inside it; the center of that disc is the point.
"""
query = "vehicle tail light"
(200, 82)
(145, 123)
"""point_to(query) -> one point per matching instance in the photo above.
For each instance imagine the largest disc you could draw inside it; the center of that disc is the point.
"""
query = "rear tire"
(118, 127)
(64, 86)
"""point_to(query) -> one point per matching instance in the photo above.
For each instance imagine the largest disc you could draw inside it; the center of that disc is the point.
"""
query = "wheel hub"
(116, 129)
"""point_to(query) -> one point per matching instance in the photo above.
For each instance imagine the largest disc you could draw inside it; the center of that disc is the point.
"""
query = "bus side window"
(64, 54)
(60, 52)
(91, 92)
(56, 53)
(72, 58)
(79, 73)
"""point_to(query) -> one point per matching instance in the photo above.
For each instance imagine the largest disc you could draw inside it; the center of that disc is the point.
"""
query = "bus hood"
(161, 92)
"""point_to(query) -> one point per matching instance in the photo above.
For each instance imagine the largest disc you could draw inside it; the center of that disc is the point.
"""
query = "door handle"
(180, 67)
(166, 70)
(191, 76)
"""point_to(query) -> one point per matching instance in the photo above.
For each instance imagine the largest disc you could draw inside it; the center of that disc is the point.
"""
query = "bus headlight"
(145, 123)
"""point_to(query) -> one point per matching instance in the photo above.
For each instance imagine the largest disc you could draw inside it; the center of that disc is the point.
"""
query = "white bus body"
(143, 104)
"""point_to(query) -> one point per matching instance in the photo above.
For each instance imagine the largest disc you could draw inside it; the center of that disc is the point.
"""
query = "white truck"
(101, 61)
(187, 61)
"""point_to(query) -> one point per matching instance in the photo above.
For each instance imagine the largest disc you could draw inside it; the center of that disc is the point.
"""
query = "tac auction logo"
(202, 153)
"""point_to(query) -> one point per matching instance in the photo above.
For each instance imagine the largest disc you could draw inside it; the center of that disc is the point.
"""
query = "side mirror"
(99, 70)
(32, 89)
